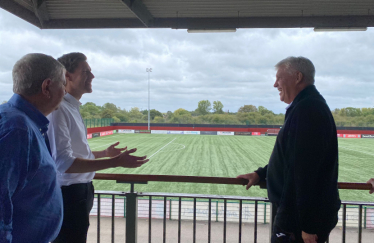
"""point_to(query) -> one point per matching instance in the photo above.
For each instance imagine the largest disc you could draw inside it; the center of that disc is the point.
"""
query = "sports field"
(223, 156)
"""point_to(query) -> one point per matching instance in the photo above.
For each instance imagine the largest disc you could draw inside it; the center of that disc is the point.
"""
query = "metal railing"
(220, 211)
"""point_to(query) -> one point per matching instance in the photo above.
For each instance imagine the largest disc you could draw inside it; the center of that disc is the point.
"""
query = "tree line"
(206, 113)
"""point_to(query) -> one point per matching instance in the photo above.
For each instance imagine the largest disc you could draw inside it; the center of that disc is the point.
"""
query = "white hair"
(32, 69)
(300, 64)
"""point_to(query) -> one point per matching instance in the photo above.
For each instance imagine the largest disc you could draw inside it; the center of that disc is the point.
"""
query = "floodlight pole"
(149, 70)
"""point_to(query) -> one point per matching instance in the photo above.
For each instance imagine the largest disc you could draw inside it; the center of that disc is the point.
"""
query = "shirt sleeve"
(14, 164)
(262, 172)
(60, 140)
(310, 133)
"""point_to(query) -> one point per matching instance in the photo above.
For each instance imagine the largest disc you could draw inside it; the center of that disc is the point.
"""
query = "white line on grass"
(102, 145)
(161, 148)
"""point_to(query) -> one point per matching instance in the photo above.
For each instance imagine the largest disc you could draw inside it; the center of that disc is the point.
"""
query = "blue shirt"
(30, 197)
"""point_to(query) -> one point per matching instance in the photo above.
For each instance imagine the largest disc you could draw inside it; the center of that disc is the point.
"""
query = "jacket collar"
(31, 111)
(306, 92)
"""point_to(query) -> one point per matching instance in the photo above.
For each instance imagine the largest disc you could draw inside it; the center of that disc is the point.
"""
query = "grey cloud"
(235, 68)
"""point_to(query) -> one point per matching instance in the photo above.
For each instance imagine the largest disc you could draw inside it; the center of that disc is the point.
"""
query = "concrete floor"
(202, 232)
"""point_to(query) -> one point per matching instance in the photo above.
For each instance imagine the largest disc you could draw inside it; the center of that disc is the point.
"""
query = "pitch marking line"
(161, 148)
(102, 145)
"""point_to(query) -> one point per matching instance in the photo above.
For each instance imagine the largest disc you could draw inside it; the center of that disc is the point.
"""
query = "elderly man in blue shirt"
(30, 197)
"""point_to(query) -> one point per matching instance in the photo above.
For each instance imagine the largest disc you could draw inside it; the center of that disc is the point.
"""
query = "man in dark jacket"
(302, 173)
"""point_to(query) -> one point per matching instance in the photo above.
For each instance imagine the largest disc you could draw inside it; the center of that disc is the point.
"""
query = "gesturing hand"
(252, 178)
(130, 161)
(111, 151)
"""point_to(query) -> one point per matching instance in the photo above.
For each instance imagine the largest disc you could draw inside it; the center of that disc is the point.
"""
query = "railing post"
(365, 217)
(265, 205)
(273, 212)
(217, 211)
(131, 217)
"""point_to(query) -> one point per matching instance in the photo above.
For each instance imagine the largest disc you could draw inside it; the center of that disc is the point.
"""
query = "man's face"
(81, 79)
(286, 84)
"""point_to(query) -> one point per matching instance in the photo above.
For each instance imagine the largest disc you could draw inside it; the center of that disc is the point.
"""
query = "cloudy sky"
(234, 68)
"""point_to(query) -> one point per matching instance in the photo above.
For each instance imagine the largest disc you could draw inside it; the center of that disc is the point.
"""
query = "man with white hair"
(302, 173)
(30, 197)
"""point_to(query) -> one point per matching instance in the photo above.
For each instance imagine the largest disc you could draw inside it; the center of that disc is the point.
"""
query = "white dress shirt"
(68, 139)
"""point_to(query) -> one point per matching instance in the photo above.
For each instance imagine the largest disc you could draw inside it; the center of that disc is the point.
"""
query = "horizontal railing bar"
(204, 196)
(131, 178)
(202, 179)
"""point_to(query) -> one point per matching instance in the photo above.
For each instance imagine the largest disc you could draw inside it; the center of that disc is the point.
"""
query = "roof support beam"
(40, 9)
(218, 23)
(266, 22)
(140, 11)
(20, 11)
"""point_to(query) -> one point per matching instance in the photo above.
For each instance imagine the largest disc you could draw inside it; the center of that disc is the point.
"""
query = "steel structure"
(193, 14)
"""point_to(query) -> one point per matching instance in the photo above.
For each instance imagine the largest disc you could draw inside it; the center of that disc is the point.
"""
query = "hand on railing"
(253, 179)
(371, 181)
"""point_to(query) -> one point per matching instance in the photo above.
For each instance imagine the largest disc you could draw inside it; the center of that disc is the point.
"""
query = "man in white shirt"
(76, 163)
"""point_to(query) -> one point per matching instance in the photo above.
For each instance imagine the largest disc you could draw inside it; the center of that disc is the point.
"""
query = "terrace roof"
(193, 14)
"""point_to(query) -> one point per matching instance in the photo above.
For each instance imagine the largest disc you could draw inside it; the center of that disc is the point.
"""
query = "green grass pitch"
(223, 156)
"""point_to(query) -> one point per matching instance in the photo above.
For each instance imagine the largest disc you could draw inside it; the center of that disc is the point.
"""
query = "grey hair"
(32, 69)
(301, 64)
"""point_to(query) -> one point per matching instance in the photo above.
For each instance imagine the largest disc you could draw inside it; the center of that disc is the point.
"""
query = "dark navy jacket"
(302, 173)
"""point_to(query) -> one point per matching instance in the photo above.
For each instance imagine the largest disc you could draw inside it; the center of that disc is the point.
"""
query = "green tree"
(110, 106)
(217, 107)
(247, 108)
(181, 111)
(263, 111)
(204, 107)
(159, 119)
(135, 115)
(107, 113)
(154, 113)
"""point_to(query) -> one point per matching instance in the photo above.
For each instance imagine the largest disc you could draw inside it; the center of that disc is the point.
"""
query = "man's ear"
(299, 77)
(68, 77)
(46, 87)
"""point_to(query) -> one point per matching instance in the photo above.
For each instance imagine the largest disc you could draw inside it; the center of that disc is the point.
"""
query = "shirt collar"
(288, 106)
(69, 98)
(31, 111)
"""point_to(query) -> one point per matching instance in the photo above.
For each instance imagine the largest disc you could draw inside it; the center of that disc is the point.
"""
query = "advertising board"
(125, 131)
(142, 131)
(106, 133)
(159, 131)
(340, 135)
(256, 133)
(243, 133)
(174, 132)
(192, 132)
(89, 135)
(367, 135)
(208, 133)
(351, 135)
(225, 133)
(96, 134)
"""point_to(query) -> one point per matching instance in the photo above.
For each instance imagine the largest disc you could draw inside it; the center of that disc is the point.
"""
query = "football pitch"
(222, 156)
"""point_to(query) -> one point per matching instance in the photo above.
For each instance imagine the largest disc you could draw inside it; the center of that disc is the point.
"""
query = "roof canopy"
(193, 14)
